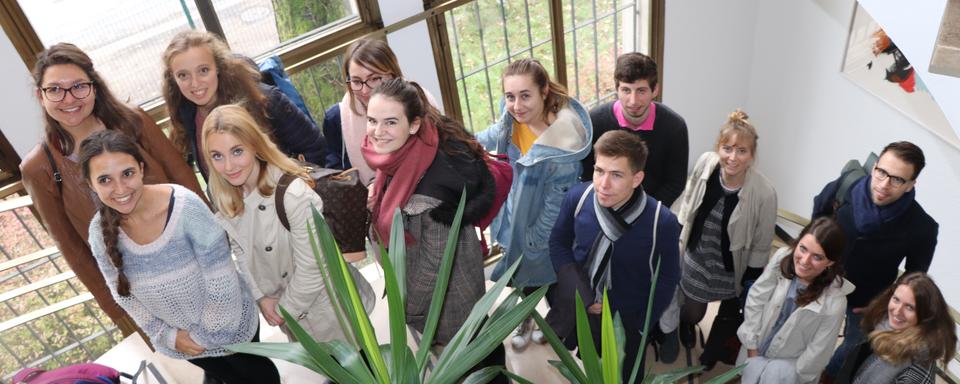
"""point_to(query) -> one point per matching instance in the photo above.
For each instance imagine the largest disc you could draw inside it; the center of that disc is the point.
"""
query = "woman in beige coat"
(794, 310)
(279, 262)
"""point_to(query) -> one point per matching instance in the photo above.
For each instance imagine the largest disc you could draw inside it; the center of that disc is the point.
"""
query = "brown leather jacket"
(67, 216)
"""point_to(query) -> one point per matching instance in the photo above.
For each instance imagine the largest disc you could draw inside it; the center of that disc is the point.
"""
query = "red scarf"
(404, 167)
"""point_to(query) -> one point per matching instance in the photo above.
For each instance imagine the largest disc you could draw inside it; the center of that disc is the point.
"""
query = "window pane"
(124, 38)
(600, 34)
(321, 86)
(253, 27)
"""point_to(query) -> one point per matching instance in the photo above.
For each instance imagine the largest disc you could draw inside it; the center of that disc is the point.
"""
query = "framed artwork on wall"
(873, 61)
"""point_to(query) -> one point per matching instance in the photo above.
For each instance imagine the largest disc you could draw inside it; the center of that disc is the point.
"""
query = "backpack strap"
(278, 193)
(57, 177)
(583, 198)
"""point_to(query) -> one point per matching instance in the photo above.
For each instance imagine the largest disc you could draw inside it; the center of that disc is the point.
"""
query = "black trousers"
(240, 367)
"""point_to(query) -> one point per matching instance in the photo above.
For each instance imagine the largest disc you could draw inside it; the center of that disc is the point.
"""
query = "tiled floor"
(531, 363)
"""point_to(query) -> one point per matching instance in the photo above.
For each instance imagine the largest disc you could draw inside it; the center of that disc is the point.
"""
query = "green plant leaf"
(483, 375)
(440, 289)
(646, 322)
(349, 359)
(588, 351)
(292, 352)
(477, 315)
(611, 355)
(396, 305)
(574, 373)
(726, 376)
(398, 253)
(349, 298)
(672, 376)
(515, 377)
(568, 372)
(452, 365)
(328, 284)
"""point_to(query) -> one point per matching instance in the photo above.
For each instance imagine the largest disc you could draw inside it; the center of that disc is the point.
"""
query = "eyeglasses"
(882, 175)
(372, 82)
(79, 91)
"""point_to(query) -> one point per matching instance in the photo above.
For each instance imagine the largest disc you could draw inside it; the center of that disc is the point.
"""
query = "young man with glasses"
(884, 225)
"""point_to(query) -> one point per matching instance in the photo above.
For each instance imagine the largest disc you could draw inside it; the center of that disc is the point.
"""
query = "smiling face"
(902, 308)
(196, 74)
(70, 112)
(232, 159)
(735, 157)
(614, 180)
(635, 97)
(884, 192)
(117, 178)
(367, 79)
(387, 126)
(524, 100)
(809, 259)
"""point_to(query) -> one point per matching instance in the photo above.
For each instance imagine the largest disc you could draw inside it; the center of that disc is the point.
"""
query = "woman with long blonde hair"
(200, 73)
(246, 172)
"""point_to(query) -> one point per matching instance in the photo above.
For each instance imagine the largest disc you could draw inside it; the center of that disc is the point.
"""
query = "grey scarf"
(613, 225)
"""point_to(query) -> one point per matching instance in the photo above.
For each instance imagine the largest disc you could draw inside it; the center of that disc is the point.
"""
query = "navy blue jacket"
(572, 238)
(291, 130)
(333, 132)
(872, 261)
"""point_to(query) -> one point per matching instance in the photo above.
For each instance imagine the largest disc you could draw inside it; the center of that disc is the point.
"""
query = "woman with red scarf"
(424, 161)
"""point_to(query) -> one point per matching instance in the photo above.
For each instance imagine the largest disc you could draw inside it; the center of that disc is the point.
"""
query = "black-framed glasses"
(882, 174)
(79, 91)
(373, 82)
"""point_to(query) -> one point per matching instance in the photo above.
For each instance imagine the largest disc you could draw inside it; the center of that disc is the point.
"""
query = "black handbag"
(344, 204)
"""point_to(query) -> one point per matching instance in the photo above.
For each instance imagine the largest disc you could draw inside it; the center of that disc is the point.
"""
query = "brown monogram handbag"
(344, 206)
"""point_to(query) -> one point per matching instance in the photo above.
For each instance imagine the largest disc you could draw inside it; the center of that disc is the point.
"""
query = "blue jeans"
(852, 336)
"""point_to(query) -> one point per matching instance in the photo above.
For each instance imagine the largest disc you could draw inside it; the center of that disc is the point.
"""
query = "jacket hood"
(568, 139)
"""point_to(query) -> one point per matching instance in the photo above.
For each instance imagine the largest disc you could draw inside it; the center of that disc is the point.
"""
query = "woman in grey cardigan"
(728, 211)
(168, 264)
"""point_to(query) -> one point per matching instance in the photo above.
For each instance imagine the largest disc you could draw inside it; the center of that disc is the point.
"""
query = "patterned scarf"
(613, 224)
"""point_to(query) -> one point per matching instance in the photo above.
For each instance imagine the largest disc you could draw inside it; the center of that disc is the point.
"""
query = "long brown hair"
(236, 83)
(374, 55)
(235, 120)
(829, 235)
(97, 144)
(415, 104)
(933, 338)
(106, 107)
(556, 97)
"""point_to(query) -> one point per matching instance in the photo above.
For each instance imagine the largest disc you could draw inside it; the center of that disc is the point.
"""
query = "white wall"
(412, 44)
(706, 64)
(811, 119)
(21, 123)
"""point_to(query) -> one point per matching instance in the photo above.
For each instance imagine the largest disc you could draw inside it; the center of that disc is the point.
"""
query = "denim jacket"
(541, 178)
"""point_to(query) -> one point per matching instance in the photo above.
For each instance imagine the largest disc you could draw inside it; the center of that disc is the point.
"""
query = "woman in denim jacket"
(545, 133)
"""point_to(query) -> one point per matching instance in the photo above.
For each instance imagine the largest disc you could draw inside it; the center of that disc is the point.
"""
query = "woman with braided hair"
(168, 264)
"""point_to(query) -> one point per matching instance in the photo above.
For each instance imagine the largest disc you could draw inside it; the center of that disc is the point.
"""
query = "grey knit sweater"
(185, 279)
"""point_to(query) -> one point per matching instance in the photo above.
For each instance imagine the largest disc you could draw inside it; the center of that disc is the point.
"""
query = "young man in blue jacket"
(610, 235)
(885, 225)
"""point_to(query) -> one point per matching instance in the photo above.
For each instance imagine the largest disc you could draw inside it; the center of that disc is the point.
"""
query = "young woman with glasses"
(200, 73)
(76, 103)
(367, 63)
(168, 264)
